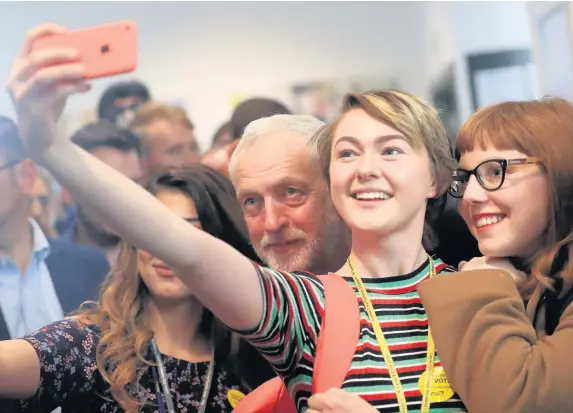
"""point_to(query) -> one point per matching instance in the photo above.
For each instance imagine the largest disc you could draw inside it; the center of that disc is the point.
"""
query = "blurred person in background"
(222, 136)
(252, 109)
(219, 153)
(65, 211)
(245, 113)
(121, 149)
(41, 279)
(42, 204)
(119, 102)
(167, 135)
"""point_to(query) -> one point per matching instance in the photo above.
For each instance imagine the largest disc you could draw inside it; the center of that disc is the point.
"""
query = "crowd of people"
(166, 280)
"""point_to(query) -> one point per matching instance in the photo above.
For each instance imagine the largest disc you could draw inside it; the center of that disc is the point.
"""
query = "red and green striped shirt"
(288, 332)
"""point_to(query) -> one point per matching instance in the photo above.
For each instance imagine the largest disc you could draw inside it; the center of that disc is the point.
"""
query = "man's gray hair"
(276, 127)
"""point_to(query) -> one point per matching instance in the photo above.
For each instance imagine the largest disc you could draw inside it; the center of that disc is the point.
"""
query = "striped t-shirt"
(287, 336)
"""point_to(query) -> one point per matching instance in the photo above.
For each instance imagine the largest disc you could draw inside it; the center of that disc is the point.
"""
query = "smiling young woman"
(515, 187)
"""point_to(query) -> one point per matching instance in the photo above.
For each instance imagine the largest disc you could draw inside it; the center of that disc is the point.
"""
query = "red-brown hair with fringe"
(541, 129)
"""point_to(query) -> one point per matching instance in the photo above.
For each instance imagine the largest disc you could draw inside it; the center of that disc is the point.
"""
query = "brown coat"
(492, 355)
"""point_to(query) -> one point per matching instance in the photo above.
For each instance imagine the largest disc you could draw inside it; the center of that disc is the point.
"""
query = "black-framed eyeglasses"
(490, 174)
(9, 165)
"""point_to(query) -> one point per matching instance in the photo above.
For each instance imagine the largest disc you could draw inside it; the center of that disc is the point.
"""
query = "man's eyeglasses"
(490, 174)
(9, 165)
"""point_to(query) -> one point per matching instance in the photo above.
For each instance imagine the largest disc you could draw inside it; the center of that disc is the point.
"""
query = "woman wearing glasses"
(515, 184)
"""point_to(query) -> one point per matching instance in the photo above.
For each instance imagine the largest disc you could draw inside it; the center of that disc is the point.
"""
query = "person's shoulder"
(305, 277)
(68, 329)
(300, 278)
(88, 264)
(306, 274)
(77, 250)
(79, 322)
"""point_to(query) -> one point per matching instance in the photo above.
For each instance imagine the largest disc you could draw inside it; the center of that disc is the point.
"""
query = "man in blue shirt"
(41, 279)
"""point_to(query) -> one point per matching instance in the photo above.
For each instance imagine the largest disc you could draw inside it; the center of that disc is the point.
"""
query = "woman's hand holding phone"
(39, 84)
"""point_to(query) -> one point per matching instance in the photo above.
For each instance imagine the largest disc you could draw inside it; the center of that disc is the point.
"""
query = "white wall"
(442, 47)
(203, 52)
(459, 28)
(555, 76)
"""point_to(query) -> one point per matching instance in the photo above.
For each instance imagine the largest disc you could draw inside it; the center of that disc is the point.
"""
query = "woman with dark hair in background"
(148, 326)
(120, 100)
(249, 110)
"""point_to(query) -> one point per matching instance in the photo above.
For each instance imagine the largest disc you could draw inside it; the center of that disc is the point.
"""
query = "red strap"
(336, 346)
(339, 335)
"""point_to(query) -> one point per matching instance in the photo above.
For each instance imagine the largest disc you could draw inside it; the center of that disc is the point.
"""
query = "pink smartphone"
(105, 50)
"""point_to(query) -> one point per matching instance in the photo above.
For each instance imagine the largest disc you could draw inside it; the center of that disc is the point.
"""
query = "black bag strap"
(555, 306)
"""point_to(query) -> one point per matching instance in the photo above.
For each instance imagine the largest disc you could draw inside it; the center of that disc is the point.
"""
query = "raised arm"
(19, 370)
(219, 276)
(489, 348)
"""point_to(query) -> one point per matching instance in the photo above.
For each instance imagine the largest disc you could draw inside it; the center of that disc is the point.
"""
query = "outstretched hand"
(40, 82)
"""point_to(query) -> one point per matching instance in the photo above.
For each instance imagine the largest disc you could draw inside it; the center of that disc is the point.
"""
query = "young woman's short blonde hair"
(422, 128)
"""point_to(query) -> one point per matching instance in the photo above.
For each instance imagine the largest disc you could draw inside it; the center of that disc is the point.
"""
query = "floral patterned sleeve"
(67, 353)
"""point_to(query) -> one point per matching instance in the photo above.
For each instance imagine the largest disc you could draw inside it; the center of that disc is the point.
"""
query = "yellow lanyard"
(386, 350)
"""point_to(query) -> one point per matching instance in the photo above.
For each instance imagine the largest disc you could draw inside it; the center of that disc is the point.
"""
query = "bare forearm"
(221, 278)
(19, 369)
(122, 204)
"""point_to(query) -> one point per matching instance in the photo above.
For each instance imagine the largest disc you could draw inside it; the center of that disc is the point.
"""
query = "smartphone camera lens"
(105, 49)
